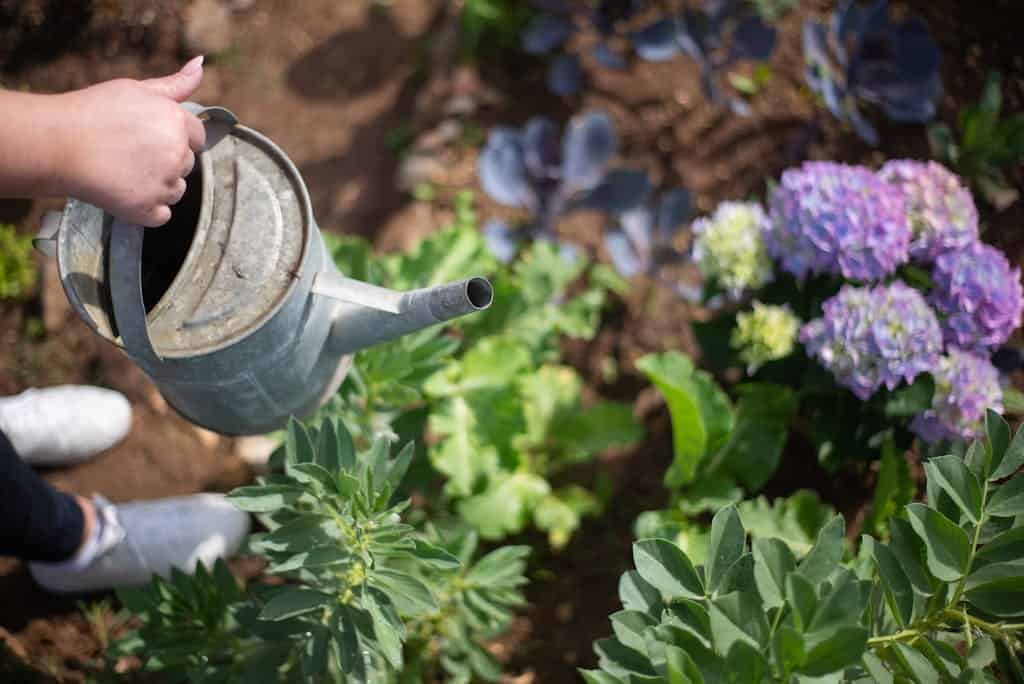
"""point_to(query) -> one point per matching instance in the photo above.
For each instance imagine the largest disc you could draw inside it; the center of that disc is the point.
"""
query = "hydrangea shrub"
(965, 385)
(871, 337)
(765, 333)
(978, 295)
(729, 249)
(840, 220)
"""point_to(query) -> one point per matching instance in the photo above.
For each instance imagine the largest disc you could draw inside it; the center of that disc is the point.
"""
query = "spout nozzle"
(458, 299)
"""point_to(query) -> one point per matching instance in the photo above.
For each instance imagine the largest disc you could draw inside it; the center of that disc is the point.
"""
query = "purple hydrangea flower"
(965, 385)
(941, 210)
(874, 336)
(835, 218)
(979, 295)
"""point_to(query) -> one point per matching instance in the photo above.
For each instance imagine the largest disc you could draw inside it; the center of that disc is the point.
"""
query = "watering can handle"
(126, 253)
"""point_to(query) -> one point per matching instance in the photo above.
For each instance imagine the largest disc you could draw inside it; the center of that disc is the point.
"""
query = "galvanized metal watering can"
(235, 309)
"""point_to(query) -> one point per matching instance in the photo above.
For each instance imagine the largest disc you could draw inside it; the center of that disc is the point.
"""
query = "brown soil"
(334, 84)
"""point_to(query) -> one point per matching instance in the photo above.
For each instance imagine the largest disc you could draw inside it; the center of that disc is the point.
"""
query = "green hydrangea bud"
(729, 247)
(764, 334)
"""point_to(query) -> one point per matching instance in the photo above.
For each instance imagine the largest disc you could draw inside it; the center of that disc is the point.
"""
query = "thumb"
(178, 86)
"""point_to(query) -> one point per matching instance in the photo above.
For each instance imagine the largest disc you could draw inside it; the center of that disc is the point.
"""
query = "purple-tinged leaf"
(608, 58)
(657, 42)
(503, 170)
(916, 50)
(545, 33)
(565, 76)
(501, 240)
(542, 148)
(621, 190)
(625, 258)
(674, 211)
(753, 39)
(589, 145)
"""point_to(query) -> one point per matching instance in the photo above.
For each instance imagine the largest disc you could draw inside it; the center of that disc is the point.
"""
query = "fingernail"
(193, 66)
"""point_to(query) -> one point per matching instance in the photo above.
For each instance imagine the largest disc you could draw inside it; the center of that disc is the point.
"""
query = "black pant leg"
(37, 522)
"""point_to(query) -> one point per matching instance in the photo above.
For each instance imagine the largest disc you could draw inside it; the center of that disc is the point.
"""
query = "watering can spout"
(368, 315)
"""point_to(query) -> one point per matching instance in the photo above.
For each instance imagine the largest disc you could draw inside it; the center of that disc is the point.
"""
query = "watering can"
(235, 309)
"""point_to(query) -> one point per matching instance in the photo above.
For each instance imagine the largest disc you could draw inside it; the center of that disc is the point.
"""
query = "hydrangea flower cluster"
(965, 385)
(941, 210)
(839, 219)
(766, 333)
(729, 248)
(874, 336)
(979, 295)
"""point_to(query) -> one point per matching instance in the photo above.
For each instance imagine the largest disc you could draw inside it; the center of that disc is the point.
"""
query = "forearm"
(33, 137)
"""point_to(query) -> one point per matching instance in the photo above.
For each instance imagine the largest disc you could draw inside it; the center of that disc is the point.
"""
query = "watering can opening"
(164, 250)
(480, 293)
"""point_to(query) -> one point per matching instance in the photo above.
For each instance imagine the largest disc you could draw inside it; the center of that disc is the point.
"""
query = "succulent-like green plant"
(359, 593)
(942, 600)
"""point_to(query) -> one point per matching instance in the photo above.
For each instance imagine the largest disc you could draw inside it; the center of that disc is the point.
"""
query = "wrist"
(60, 148)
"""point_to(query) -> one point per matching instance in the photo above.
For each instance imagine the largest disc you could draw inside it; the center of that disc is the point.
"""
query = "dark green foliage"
(17, 270)
(988, 144)
(942, 600)
(363, 593)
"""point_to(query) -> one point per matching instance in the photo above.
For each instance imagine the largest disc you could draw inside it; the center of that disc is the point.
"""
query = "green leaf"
(680, 668)
(746, 664)
(796, 519)
(1007, 546)
(982, 654)
(912, 400)
(701, 413)
(843, 648)
(894, 580)
(666, 568)
(506, 506)
(312, 474)
(409, 594)
(953, 476)
(345, 644)
(773, 561)
(264, 498)
(1008, 499)
(789, 649)
(876, 668)
(998, 432)
(1012, 458)
(434, 556)
(620, 660)
(725, 546)
(298, 444)
(629, 627)
(824, 556)
(328, 447)
(737, 617)
(894, 490)
(803, 599)
(998, 589)
(947, 547)
(502, 567)
(916, 663)
(599, 677)
(910, 552)
(291, 602)
(709, 492)
(755, 444)
(314, 653)
(387, 626)
(637, 594)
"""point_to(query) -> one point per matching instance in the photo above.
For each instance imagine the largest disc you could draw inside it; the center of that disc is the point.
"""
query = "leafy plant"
(539, 170)
(643, 238)
(17, 270)
(502, 416)
(359, 592)
(988, 144)
(716, 36)
(941, 601)
(864, 56)
(716, 444)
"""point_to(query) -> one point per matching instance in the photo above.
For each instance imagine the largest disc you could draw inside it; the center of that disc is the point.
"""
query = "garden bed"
(339, 86)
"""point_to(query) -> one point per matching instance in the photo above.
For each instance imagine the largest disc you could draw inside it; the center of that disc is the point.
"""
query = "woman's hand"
(123, 145)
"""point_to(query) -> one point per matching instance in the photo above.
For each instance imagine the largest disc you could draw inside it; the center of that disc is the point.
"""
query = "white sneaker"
(135, 541)
(66, 424)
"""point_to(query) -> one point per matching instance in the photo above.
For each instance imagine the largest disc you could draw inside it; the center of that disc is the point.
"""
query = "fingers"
(179, 86)
(177, 192)
(196, 132)
(190, 163)
(156, 217)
